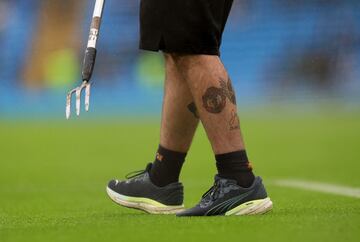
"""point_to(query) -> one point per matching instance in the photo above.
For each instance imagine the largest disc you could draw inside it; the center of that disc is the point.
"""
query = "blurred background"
(278, 52)
(295, 66)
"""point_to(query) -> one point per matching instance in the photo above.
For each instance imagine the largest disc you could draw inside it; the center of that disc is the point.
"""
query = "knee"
(183, 61)
(175, 58)
(173, 61)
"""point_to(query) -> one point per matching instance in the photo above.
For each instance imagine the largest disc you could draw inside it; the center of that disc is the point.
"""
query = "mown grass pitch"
(53, 177)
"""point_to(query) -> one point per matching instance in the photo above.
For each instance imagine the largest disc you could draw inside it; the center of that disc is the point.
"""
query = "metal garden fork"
(88, 64)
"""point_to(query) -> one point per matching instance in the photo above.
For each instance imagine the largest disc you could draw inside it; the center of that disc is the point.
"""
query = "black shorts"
(183, 26)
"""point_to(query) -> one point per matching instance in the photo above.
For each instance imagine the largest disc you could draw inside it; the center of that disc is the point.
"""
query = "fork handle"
(89, 63)
(90, 53)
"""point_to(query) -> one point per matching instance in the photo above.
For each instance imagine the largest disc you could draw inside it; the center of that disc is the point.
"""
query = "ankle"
(235, 166)
(167, 166)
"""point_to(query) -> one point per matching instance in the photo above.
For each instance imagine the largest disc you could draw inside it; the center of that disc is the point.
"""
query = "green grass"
(53, 177)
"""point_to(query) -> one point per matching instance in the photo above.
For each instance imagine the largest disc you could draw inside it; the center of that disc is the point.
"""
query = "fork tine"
(87, 96)
(78, 91)
(78, 99)
(68, 105)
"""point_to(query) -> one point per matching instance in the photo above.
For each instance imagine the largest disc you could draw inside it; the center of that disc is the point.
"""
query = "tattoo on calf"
(234, 121)
(192, 108)
(214, 99)
(230, 91)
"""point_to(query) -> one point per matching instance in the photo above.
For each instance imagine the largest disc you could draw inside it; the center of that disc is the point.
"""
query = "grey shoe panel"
(229, 195)
(141, 186)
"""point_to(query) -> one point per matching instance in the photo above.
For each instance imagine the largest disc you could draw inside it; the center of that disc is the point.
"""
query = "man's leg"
(157, 190)
(178, 126)
(236, 191)
(215, 100)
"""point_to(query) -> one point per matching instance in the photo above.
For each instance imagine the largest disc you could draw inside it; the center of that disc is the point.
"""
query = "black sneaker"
(227, 198)
(139, 192)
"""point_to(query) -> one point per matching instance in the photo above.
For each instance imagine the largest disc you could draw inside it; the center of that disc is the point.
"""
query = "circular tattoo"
(214, 100)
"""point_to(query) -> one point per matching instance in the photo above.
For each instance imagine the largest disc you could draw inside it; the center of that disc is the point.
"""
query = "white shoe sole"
(145, 204)
(254, 207)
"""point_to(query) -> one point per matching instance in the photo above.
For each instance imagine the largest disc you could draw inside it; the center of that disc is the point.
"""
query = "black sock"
(166, 167)
(235, 166)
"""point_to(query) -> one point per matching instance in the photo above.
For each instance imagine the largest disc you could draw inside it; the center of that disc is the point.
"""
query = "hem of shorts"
(185, 50)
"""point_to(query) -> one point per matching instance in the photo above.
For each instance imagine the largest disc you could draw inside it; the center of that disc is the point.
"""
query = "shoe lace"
(139, 172)
(213, 192)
